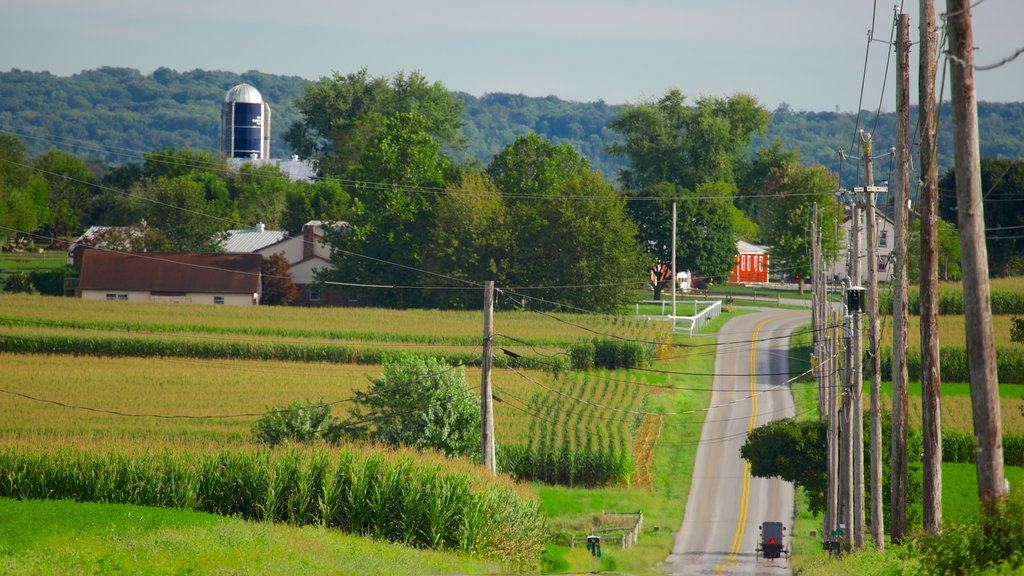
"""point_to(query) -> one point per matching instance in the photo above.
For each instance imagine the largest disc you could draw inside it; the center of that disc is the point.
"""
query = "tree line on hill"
(112, 115)
(393, 162)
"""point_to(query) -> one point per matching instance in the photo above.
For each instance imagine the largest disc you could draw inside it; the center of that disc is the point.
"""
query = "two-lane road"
(726, 504)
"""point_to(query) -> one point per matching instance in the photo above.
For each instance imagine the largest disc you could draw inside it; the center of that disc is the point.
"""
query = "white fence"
(704, 311)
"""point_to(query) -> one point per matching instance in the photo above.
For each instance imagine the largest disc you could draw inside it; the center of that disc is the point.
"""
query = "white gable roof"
(748, 248)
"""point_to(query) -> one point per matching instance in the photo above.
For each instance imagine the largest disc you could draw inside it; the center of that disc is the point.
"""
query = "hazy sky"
(807, 53)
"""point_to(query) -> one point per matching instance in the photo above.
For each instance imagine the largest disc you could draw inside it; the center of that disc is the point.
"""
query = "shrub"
(611, 354)
(19, 283)
(953, 364)
(581, 354)
(420, 402)
(991, 543)
(49, 282)
(298, 422)
(959, 446)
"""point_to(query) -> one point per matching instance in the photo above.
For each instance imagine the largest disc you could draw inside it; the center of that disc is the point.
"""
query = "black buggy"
(771, 544)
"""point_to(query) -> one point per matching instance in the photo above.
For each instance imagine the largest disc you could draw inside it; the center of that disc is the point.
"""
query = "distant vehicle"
(772, 545)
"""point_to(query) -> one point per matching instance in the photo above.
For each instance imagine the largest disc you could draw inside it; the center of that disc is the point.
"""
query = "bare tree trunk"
(974, 257)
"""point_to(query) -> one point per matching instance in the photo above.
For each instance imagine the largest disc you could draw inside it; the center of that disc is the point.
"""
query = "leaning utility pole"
(900, 402)
(877, 525)
(932, 431)
(974, 257)
(486, 403)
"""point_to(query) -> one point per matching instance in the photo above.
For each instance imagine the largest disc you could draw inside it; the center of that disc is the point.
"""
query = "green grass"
(11, 262)
(960, 490)
(959, 505)
(713, 326)
(62, 537)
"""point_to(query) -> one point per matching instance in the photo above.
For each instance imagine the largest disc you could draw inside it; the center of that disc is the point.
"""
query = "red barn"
(750, 264)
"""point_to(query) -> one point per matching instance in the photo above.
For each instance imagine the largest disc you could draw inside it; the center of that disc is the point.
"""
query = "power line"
(163, 416)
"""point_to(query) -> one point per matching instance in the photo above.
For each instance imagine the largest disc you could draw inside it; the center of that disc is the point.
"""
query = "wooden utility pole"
(974, 257)
(900, 402)
(486, 398)
(929, 277)
(857, 386)
(834, 391)
(852, 364)
(817, 333)
(874, 361)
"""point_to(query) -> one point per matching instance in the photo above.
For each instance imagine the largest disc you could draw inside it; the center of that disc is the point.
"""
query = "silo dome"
(245, 124)
(244, 94)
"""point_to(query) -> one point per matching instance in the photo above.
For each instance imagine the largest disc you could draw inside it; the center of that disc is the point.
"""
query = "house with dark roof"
(171, 277)
(308, 254)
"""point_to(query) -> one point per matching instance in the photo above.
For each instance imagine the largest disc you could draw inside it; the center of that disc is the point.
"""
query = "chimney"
(260, 227)
(311, 234)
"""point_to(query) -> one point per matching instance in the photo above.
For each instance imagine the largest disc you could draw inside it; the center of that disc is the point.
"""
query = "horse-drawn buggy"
(772, 542)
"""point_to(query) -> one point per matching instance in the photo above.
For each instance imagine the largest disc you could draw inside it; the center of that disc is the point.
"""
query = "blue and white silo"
(245, 124)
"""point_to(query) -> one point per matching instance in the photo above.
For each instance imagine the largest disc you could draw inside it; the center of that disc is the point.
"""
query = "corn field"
(385, 495)
(575, 429)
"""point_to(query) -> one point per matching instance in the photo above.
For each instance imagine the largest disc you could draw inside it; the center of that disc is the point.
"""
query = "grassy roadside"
(959, 488)
(62, 537)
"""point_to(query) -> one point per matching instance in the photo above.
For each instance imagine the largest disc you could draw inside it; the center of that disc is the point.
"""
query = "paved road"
(726, 504)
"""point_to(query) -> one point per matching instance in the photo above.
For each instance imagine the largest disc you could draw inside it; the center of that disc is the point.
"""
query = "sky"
(809, 54)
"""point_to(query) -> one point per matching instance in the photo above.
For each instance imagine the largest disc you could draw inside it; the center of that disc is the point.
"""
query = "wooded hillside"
(116, 114)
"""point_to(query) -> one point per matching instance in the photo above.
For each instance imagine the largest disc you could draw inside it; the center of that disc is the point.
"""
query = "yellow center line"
(741, 524)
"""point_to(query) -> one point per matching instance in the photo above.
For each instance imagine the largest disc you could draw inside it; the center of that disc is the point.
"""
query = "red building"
(750, 264)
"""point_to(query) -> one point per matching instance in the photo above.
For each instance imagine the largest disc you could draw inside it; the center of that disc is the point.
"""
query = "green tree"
(1002, 184)
(583, 238)
(70, 192)
(23, 193)
(393, 209)
(259, 194)
(470, 240)
(752, 175)
(341, 115)
(567, 227)
(325, 200)
(786, 210)
(181, 210)
(948, 251)
(533, 165)
(668, 141)
(792, 450)
(419, 402)
(297, 422)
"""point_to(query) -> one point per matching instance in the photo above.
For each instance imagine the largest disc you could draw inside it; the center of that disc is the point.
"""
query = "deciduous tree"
(668, 141)
(278, 287)
(341, 115)
(786, 209)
